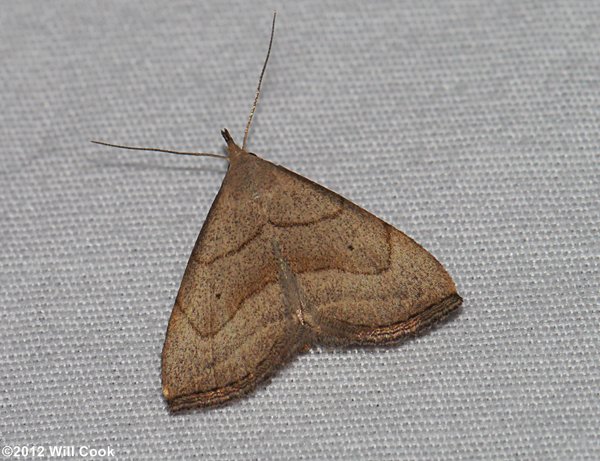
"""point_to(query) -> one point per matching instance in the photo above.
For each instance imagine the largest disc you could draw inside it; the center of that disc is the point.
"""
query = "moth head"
(233, 149)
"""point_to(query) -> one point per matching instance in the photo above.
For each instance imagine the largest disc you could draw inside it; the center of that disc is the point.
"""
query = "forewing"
(364, 281)
(229, 328)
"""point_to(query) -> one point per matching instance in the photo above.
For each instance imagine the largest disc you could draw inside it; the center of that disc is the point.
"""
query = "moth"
(282, 264)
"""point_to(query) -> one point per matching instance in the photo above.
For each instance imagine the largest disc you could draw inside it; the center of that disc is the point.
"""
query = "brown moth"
(281, 264)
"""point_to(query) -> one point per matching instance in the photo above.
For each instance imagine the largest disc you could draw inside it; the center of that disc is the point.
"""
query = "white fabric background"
(473, 126)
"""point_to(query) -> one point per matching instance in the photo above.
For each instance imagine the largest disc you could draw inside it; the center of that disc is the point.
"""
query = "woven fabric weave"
(472, 126)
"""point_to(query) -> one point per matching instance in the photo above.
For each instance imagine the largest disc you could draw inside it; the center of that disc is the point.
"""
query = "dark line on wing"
(268, 282)
(377, 272)
(331, 215)
(222, 394)
(188, 318)
(235, 250)
(237, 309)
(399, 323)
(262, 287)
(414, 323)
(325, 217)
(262, 370)
(252, 335)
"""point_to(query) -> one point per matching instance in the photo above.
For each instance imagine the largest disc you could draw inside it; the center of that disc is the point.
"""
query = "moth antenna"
(262, 73)
(154, 149)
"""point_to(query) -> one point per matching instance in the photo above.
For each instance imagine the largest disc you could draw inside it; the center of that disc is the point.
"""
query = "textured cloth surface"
(472, 126)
